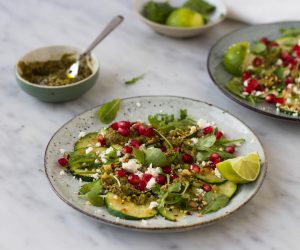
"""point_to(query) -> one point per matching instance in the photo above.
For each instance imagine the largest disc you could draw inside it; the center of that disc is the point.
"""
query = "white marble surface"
(33, 217)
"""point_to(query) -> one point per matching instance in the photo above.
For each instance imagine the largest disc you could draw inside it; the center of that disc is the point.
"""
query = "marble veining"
(33, 217)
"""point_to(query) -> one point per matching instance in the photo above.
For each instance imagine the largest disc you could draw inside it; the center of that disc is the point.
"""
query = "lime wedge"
(235, 57)
(241, 169)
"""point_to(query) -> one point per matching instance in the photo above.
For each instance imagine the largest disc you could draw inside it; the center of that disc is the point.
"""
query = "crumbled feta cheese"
(97, 161)
(95, 176)
(109, 150)
(62, 172)
(297, 80)
(217, 173)
(151, 183)
(62, 151)
(203, 123)
(179, 170)
(200, 191)
(89, 150)
(295, 114)
(245, 83)
(194, 140)
(98, 144)
(131, 166)
(102, 131)
(118, 153)
(245, 93)
(153, 204)
(153, 171)
(139, 174)
(296, 90)
(138, 104)
(81, 134)
(117, 219)
(258, 93)
(279, 62)
(193, 130)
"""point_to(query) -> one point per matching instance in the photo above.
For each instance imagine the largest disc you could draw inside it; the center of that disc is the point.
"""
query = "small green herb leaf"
(174, 187)
(258, 48)
(215, 201)
(206, 142)
(156, 157)
(91, 192)
(135, 79)
(139, 155)
(235, 87)
(108, 112)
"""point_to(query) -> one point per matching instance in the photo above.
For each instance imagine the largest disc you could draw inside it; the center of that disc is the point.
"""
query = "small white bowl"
(180, 32)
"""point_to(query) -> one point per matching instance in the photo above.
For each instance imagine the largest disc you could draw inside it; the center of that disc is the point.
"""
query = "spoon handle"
(108, 29)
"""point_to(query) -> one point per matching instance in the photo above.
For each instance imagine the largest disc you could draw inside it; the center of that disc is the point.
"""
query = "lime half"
(235, 57)
(241, 169)
(184, 17)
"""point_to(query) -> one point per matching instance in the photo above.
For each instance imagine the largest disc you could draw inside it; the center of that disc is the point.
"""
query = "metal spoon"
(72, 72)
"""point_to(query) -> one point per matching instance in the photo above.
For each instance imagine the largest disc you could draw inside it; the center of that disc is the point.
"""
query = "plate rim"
(155, 229)
(233, 97)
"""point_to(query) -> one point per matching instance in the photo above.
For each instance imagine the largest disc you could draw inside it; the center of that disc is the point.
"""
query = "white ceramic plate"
(67, 188)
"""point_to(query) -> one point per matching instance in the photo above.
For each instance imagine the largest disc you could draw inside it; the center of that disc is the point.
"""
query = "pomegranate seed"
(120, 173)
(214, 156)
(124, 124)
(296, 47)
(161, 179)
(257, 62)
(141, 130)
(133, 179)
(280, 100)
(264, 40)
(167, 169)
(271, 98)
(187, 158)
(135, 143)
(208, 130)
(101, 140)
(252, 83)
(288, 80)
(260, 87)
(177, 149)
(115, 126)
(206, 187)
(246, 75)
(195, 168)
(136, 126)
(219, 134)
(247, 89)
(147, 177)
(149, 132)
(173, 176)
(272, 45)
(127, 149)
(230, 149)
(216, 161)
(141, 185)
(124, 131)
(163, 149)
(63, 162)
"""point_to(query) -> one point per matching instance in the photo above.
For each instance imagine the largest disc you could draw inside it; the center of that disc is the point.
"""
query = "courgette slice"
(85, 173)
(228, 188)
(210, 178)
(88, 139)
(127, 210)
(172, 214)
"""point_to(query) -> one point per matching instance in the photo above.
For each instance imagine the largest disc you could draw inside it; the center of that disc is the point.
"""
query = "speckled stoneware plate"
(67, 188)
(220, 76)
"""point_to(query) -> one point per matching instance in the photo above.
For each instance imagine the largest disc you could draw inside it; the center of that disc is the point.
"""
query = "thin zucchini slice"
(88, 139)
(85, 173)
(127, 210)
(210, 178)
(172, 214)
(228, 188)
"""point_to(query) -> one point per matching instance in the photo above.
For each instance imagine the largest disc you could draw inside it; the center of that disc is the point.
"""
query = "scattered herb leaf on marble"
(108, 112)
(135, 79)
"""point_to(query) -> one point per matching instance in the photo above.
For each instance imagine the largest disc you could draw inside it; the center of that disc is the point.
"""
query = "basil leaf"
(258, 48)
(135, 79)
(91, 192)
(215, 201)
(108, 112)
(139, 155)
(156, 157)
(235, 87)
(174, 187)
(205, 142)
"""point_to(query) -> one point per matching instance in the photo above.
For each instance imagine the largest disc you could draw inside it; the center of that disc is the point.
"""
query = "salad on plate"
(267, 71)
(171, 165)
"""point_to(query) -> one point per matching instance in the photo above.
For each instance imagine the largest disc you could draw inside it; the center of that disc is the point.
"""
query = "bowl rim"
(169, 229)
(93, 56)
(221, 18)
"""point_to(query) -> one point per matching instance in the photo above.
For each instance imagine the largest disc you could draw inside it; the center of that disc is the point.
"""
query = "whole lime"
(184, 17)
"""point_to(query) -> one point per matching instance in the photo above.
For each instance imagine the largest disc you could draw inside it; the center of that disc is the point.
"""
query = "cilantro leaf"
(205, 142)
(108, 112)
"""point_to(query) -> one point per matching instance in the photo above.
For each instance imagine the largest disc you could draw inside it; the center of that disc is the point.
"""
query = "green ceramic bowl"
(56, 93)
